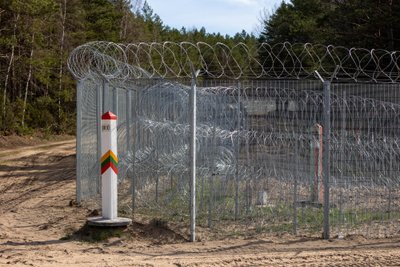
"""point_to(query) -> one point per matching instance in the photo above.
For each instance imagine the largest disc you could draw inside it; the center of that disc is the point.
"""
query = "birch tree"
(28, 80)
(14, 41)
(63, 17)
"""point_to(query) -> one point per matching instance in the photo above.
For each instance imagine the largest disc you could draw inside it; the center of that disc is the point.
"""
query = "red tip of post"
(109, 116)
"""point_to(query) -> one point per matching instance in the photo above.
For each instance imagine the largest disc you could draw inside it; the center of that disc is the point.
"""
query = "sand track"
(37, 184)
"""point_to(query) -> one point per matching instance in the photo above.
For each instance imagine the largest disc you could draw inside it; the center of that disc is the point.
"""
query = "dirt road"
(37, 185)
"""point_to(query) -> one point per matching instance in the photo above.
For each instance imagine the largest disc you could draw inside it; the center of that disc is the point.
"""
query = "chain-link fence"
(277, 150)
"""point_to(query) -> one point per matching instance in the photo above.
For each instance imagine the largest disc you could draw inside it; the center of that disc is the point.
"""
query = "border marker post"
(109, 175)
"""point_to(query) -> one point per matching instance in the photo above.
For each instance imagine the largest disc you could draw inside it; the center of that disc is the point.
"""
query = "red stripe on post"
(115, 169)
(107, 166)
(109, 116)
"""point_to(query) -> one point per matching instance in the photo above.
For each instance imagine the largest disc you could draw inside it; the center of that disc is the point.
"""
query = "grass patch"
(93, 234)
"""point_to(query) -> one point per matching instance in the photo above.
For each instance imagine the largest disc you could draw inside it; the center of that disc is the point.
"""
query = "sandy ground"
(38, 215)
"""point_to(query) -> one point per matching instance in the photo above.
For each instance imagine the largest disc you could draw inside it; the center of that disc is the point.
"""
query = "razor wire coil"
(240, 61)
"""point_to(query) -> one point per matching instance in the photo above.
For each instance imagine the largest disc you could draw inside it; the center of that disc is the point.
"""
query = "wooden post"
(320, 187)
(317, 187)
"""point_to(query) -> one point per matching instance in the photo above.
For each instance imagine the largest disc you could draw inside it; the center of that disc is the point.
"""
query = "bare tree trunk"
(28, 80)
(9, 69)
(63, 13)
(122, 31)
(16, 84)
(391, 34)
(127, 7)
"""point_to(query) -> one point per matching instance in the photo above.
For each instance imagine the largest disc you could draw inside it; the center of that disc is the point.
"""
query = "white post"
(109, 166)
(109, 175)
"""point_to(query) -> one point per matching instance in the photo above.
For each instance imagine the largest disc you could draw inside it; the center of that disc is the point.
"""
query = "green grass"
(275, 218)
(94, 234)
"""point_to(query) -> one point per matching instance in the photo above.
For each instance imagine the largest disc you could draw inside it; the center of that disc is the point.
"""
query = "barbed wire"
(164, 111)
(262, 61)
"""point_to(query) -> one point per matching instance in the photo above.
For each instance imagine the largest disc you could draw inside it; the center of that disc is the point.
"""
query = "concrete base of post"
(103, 222)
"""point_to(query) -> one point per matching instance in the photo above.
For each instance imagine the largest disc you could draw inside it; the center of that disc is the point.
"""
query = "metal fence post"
(128, 110)
(248, 196)
(342, 160)
(128, 119)
(326, 152)
(100, 98)
(115, 101)
(104, 97)
(237, 156)
(78, 141)
(296, 174)
(136, 141)
(211, 178)
(192, 152)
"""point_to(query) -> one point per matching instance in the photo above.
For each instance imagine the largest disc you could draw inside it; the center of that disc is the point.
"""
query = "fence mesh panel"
(365, 158)
(259, 150)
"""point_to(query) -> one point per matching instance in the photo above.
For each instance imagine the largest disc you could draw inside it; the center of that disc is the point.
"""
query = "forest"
(37, 93)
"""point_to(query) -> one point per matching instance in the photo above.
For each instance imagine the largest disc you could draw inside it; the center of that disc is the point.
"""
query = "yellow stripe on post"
(109, 154)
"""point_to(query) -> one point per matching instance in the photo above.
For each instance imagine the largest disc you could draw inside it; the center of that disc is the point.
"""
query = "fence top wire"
(240, 61)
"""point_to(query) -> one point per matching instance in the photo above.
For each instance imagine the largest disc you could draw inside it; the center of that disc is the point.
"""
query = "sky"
(223, 16)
